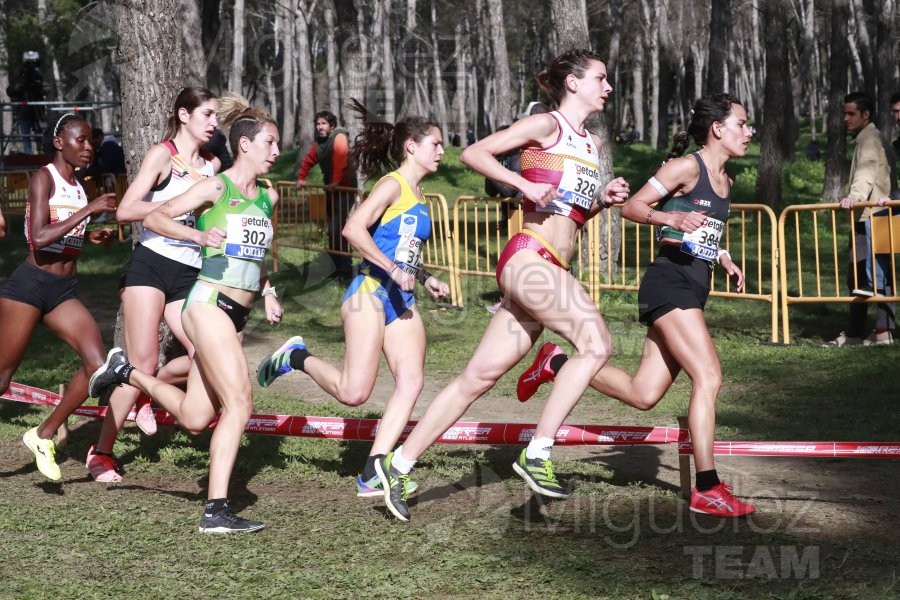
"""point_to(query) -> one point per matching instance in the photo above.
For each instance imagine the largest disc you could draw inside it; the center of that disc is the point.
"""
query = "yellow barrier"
(14, 191)
(752, 246)
(824, 243)
(482, 227)
(302, 218)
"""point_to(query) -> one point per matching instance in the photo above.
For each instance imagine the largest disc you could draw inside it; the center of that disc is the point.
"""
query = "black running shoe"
(394, 483)
(227, 522)
(114, 371)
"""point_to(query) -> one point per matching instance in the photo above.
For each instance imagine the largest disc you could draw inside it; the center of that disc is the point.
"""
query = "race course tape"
(338, 428)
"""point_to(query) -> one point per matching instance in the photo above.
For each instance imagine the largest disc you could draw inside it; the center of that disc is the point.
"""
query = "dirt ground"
(846, 502)
(849, 500)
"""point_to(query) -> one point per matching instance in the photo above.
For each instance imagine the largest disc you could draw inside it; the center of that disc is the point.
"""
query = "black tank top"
(702, 199)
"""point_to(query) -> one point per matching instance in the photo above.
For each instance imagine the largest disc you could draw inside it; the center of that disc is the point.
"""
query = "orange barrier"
(816, 241)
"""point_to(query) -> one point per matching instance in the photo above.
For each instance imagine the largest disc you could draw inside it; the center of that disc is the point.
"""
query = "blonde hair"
(240, 119)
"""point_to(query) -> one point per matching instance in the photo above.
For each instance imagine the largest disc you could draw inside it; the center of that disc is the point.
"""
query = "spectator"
(869, 181)
(28, 87)
(331, 151)
(108, 155)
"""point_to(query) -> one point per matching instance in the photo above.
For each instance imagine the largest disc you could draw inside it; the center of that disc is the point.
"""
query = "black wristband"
(423, 276)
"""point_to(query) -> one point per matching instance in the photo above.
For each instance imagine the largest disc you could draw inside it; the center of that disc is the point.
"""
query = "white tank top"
(572, 164)
(67, 199)
(181, 178)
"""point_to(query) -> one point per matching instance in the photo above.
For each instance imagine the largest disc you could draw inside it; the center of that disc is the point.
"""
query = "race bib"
(407, 254)
(190, 220)
(703, 242)
(72, 241)
(579, 183)
(247, 237)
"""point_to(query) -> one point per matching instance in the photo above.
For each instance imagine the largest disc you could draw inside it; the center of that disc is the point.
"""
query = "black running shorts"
(32, 285)
(149, 269)
(674, 280)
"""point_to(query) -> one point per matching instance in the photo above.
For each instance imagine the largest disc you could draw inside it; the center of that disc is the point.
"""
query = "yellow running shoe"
(44, 454)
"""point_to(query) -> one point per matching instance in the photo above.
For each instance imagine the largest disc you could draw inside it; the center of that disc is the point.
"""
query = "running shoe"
(273, 367)
(103, 467)
(226, 521)
(538, 474)
(372, 487)
(114, 371)
(538, 372)
(843, 340)
(44, 454)
(719, 502)
(394, 483)
(144, 417)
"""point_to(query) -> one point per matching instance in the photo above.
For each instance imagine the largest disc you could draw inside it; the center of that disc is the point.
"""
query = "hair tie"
(56, 127)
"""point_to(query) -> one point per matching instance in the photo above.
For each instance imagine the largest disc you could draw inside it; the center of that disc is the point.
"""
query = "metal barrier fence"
(311, 218)
(14, 191)
(749, 237)
(816, 241)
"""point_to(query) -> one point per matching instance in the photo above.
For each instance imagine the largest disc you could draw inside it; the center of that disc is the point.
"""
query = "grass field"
(476, 532)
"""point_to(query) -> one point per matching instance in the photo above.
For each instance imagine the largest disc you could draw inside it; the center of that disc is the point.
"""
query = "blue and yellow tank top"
(704, 242)
(249, 232)
(401, 232)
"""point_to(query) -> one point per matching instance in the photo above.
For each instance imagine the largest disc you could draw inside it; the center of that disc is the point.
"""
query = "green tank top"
(249, 232)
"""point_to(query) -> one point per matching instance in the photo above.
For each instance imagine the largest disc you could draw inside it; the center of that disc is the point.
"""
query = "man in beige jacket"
(870, 180)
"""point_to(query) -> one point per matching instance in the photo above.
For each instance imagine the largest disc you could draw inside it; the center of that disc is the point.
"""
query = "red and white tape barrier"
(338, 428)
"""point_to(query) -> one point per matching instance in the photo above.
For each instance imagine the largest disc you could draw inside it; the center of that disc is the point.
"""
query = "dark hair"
(189, 99)
(574, 62)
(712, 108)
(862, 101)
(895, 98)
(379, 147)
(55, 128)
(241, 120)
(328, 116)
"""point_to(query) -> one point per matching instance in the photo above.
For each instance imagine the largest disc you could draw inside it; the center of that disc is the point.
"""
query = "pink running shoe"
(538, 372)
(103, 467)
(719, 502)
(145, 419)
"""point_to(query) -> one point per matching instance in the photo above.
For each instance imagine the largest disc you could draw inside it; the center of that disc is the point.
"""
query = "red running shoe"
(719, 502)
(538, 372)
(103, 467)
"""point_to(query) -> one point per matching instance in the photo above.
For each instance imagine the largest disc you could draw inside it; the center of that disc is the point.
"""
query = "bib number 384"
(248, 237)
(703, 242)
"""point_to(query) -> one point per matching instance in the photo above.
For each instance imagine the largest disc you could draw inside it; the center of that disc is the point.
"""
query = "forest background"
(470, 63)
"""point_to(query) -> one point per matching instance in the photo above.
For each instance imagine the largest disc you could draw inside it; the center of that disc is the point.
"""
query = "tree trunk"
(461, 52)
(778, 110)
(439, 91)
(649, 12)
(235, 79)
(334, 91)
(6, 125)
(860, 18)
(719, 34)
(307, 108)
(569, 18)
(387, 72)
(886, 79)
(612, 63)
(504, 106)
(287, 35)
(194, 60)
(637, 82)
(150, 65)
(835, 158)
(57, 91)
